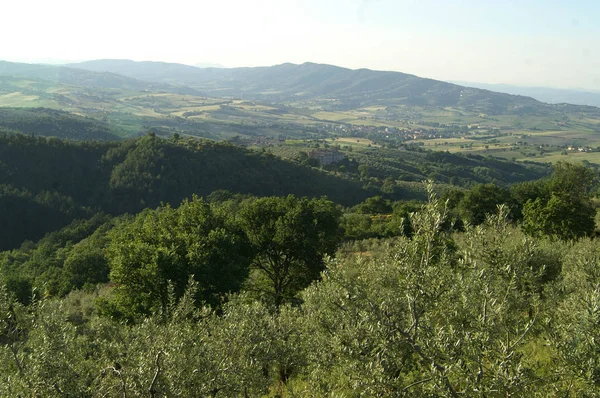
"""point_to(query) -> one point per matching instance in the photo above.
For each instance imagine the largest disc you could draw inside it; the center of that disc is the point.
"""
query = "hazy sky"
(553, 43)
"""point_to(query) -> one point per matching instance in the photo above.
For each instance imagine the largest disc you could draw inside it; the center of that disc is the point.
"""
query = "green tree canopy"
(164, 247)
(374, 205)
(482, 200)
(560, 205)
(571, 179)
(290, 236)
(561, 216)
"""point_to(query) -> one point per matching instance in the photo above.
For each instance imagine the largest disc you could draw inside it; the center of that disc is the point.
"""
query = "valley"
(400, 111)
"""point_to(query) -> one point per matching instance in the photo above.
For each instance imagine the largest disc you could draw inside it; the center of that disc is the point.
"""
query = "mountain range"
(330, 87)
(335, 86)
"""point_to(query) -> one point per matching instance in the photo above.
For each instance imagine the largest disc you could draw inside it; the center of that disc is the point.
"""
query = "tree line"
(55, 181)
(559, 205)
(82, 254)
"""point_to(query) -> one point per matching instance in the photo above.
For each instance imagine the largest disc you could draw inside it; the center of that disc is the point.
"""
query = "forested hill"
(64, 180)
(50, 122)
(351, 88)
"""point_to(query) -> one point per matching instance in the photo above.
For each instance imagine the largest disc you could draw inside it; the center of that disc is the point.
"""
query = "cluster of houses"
(580, 149)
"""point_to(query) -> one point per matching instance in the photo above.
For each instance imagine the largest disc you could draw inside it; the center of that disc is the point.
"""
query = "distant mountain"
(339, 87)
(544, 94)
(149, 71)
(85, 78)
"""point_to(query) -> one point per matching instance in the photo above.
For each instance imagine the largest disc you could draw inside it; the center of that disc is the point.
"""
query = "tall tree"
(290, 236)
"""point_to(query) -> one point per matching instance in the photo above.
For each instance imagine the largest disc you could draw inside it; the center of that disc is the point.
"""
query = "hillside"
(61, 179)
(79, 77)
(310, 101)
(54, 123)
(152, 71)
(344, 88)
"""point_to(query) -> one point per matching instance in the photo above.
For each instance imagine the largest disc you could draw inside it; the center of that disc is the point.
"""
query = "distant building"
(326, 157)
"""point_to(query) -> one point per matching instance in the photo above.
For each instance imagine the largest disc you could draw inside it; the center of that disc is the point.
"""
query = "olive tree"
(428, 319)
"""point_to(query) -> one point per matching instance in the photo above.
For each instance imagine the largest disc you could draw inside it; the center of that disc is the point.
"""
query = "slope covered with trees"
(443, 167)
(54, 123)
(71, 179)
(81, 178)
(283, 239)
(185, 267)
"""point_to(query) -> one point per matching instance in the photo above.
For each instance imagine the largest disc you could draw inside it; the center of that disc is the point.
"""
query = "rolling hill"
(48, 182)
(66, 179)
(341, 88)
(52, 74)
(297, 102)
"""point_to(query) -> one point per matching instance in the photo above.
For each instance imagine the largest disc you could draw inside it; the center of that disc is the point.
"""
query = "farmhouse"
(326, 157)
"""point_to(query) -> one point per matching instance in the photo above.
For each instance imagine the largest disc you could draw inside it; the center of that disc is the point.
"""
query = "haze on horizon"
(546, 43)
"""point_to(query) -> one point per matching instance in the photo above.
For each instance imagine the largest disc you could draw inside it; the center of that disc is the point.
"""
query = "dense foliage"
(182, 267)
(26, 216)
(443, 167)
(488, 312)
(56, 181)
(151, 257)
(399, 172)
(491, 291)
(71, 258)
(158, 252)
(290, 238)
(558, 205)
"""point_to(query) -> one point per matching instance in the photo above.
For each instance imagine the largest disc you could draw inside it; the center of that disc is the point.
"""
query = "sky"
(545, 43)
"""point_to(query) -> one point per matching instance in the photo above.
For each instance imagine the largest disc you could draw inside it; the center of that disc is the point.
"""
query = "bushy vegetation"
(486, 312)
(281, 257)
(183, 267)
(55, 181)
(455, 169)
(389, 168)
